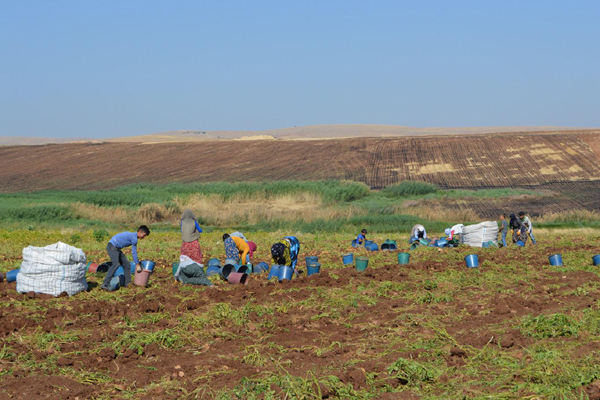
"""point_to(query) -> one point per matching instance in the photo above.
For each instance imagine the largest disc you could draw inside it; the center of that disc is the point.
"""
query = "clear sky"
(110, 68)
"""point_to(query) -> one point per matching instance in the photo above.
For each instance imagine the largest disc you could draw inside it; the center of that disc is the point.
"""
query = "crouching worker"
(418, 232)
(236, 248)
(190, 272)
(114, 250)
(361, 238)
(285, 252)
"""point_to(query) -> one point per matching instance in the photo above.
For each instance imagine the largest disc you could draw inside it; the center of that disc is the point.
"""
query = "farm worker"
(252, 247)
(285, 252)
(360, 239)
(455, 230)
(418, 232)
(114, 247)
(238, 234)
(190, 233)
(236, 248)
(526, 222)
(503, 228)
(517, 229)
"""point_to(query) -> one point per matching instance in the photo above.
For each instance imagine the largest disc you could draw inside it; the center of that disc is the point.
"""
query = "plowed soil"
(355, 341)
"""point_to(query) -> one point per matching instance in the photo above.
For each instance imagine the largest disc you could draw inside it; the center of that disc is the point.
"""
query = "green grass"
(379, 211)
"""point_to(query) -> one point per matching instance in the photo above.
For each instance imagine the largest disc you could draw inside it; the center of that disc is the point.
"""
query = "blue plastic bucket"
(148, 265)
(285, 273)
(311, 260)
(354, 243)
(243, 269)
(11, 276)
(442, 243)
(116, 282)
(214, 262)
(520, 243)
(313, 269)
(348, 258)
(368, 242)
(274, 271)
(213, 270)
(556, 260)
(120, 271)
(472, 261)
(596, 260)
(227, 269)
(261, 267)
(372, 247)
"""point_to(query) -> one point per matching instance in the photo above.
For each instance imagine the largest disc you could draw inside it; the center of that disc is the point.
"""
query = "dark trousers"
(117, 258)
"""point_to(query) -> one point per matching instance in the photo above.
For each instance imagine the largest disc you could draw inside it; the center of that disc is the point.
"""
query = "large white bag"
(477, 235)
(52, 270)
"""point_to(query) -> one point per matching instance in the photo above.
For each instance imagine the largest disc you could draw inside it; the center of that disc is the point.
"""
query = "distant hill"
(331, 132)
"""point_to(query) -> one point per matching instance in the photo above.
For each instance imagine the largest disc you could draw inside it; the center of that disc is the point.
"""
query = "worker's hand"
(138, 268)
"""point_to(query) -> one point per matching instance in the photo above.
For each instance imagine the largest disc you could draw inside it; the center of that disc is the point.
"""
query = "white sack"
(476, 235)
(52, 270)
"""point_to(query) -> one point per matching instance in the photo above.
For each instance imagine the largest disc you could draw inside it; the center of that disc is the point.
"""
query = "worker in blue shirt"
(362, 236)
(114, 247)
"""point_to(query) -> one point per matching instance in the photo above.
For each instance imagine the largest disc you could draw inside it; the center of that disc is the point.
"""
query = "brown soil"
(219, 360)
(482, 161)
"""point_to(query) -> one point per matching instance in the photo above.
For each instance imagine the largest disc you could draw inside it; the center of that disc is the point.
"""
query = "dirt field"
(514, 328)
(567, 165)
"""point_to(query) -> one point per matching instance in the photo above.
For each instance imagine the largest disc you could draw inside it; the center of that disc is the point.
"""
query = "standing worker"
(526, 222)
(503, 228)
(114, 247)
(190, 233)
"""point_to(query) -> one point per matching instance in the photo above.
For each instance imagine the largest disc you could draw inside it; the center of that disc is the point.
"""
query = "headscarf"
(277, 251)
(189, 233)
(252, 246)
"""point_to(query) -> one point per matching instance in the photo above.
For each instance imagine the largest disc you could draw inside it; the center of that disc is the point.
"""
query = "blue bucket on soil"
(261, 267)
(313, 269)
(596, 260)
(472, 261)
(520, 243)
(148, 265)
(11, 276)
(285, 273)
(243, 269)
(213, 270)
(214, 262)
(227, 269)
(121, 271)
(311, 260)
(274, 271)
(442, 243)
(347, 258)
(354, 243)
(372, 247)
(116, 282)
(556, 260)
(368, 242)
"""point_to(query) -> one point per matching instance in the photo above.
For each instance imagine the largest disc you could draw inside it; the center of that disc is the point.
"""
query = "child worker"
(117, 258)
(361, 238)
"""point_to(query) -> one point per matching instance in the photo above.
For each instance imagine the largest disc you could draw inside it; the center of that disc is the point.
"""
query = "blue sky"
(115, 68)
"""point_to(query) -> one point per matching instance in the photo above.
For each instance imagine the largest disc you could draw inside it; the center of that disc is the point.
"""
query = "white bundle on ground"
(52, 270)
(477, 235)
